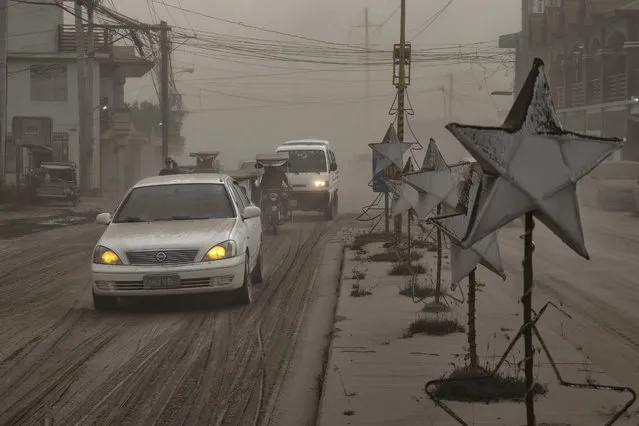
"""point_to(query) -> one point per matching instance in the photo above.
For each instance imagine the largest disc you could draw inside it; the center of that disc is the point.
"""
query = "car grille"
(186, 283)
(171, 257)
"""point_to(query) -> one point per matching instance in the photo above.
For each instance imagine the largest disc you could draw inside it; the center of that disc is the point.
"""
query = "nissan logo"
(160, 257)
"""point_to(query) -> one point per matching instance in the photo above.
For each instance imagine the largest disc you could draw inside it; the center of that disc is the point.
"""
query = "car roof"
(183, 179)
(307, 142)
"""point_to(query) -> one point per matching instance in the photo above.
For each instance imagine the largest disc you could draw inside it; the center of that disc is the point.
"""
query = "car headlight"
(272, 196)
(220, 251)
(321, 184)
(105, 256)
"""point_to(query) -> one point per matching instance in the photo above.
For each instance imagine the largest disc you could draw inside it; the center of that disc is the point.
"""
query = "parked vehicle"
(59, 182)
(206, 162)
(274, 198)
(313, 176)
(179, 234)
(610, 186)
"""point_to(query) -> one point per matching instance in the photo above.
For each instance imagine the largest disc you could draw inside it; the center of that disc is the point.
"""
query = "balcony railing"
(560, 97)
(616, 88)
(102, 39)
(595, 91)
(578, 94)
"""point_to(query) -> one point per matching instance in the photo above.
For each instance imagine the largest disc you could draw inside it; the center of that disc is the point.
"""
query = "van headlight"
(321, 184)
(224, 250)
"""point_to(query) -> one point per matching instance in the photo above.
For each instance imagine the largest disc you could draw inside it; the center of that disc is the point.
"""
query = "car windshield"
(307, 161)
(176, 202)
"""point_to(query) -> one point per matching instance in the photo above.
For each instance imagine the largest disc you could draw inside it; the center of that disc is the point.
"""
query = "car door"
(252, 225)
(334, 175)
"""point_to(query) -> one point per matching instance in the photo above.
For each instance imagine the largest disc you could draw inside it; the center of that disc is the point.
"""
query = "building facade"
(42, 82)
(591, 52)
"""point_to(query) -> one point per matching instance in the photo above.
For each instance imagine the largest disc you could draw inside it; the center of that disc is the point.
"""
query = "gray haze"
(240, 116)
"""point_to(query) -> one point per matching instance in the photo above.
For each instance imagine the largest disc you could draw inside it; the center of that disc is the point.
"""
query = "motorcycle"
(272, 209)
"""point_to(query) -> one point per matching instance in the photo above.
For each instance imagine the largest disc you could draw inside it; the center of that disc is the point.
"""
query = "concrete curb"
(329, 357)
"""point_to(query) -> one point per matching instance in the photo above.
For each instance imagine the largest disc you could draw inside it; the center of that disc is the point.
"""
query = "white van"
(313, 175)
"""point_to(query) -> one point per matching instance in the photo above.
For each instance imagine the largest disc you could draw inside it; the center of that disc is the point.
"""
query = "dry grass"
(490, 389)
(434, 327)
(358, 291)
(406, 269)
(418, 290)
(374, 237)
(393, 256)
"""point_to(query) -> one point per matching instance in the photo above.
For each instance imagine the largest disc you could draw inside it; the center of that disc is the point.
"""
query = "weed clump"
(393, 256)
(374, 237)
(434, 327)
(418, 290)
(488, 389)
(358, 291)
(406, 268)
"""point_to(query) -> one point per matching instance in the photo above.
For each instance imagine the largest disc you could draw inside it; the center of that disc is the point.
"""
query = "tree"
(147, 117)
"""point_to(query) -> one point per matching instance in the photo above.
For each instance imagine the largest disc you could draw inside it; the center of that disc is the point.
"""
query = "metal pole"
(82, 99)
(367, 42)
(438, 279)
(386, 214)
(473, 358)
(400, 95)
(529, 351)
(90, 110)
(4, 24)
(164, 96)
(450, 97)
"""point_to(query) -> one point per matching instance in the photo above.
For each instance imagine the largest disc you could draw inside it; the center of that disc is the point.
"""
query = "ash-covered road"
(154, 364)
(601, 295)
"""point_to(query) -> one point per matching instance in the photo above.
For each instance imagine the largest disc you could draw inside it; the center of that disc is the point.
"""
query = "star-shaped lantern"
(460, 205)
(424, 190)
(391, 151)
(533, 165)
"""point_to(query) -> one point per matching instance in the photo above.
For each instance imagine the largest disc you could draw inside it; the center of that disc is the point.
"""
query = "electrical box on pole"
(396, 64)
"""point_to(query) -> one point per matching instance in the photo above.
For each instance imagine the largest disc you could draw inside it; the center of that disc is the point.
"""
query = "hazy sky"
(240, 115)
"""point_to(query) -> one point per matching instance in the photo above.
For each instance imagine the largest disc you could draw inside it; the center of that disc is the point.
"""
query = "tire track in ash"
(186, 374)
(278, 329)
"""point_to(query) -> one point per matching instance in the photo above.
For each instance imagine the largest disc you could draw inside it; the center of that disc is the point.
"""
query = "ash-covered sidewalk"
(377, 369)
(17, 220)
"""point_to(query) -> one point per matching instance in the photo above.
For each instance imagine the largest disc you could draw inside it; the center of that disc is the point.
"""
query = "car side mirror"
(103, 219)
(251, 212)
(333, 167)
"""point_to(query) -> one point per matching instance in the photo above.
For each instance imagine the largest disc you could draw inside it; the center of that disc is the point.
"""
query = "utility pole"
(4, 37)
(83, 137)
(367, 26)
(90, 110)
(165, 52)
(522, 53)
(450, 96)
(401, 91)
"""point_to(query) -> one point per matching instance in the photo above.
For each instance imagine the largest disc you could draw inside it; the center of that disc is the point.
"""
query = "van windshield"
(307, 161)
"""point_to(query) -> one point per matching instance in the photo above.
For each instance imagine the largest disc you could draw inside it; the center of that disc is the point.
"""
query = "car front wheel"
(244, 294)
(257, 274)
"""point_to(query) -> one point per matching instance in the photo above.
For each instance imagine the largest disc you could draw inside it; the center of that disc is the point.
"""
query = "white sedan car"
(179, 234)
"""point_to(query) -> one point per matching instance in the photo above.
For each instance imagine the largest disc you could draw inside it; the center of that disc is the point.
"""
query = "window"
(49, 82)
(331, 156)
(307, 161)
(236, 194)
(242, 191)
(197, 201)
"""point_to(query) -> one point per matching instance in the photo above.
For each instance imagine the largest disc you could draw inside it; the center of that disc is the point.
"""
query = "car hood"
(165, 235)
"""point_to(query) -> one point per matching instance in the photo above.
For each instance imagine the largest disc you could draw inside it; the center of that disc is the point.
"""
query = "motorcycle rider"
(275, 178)
(170, 167)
